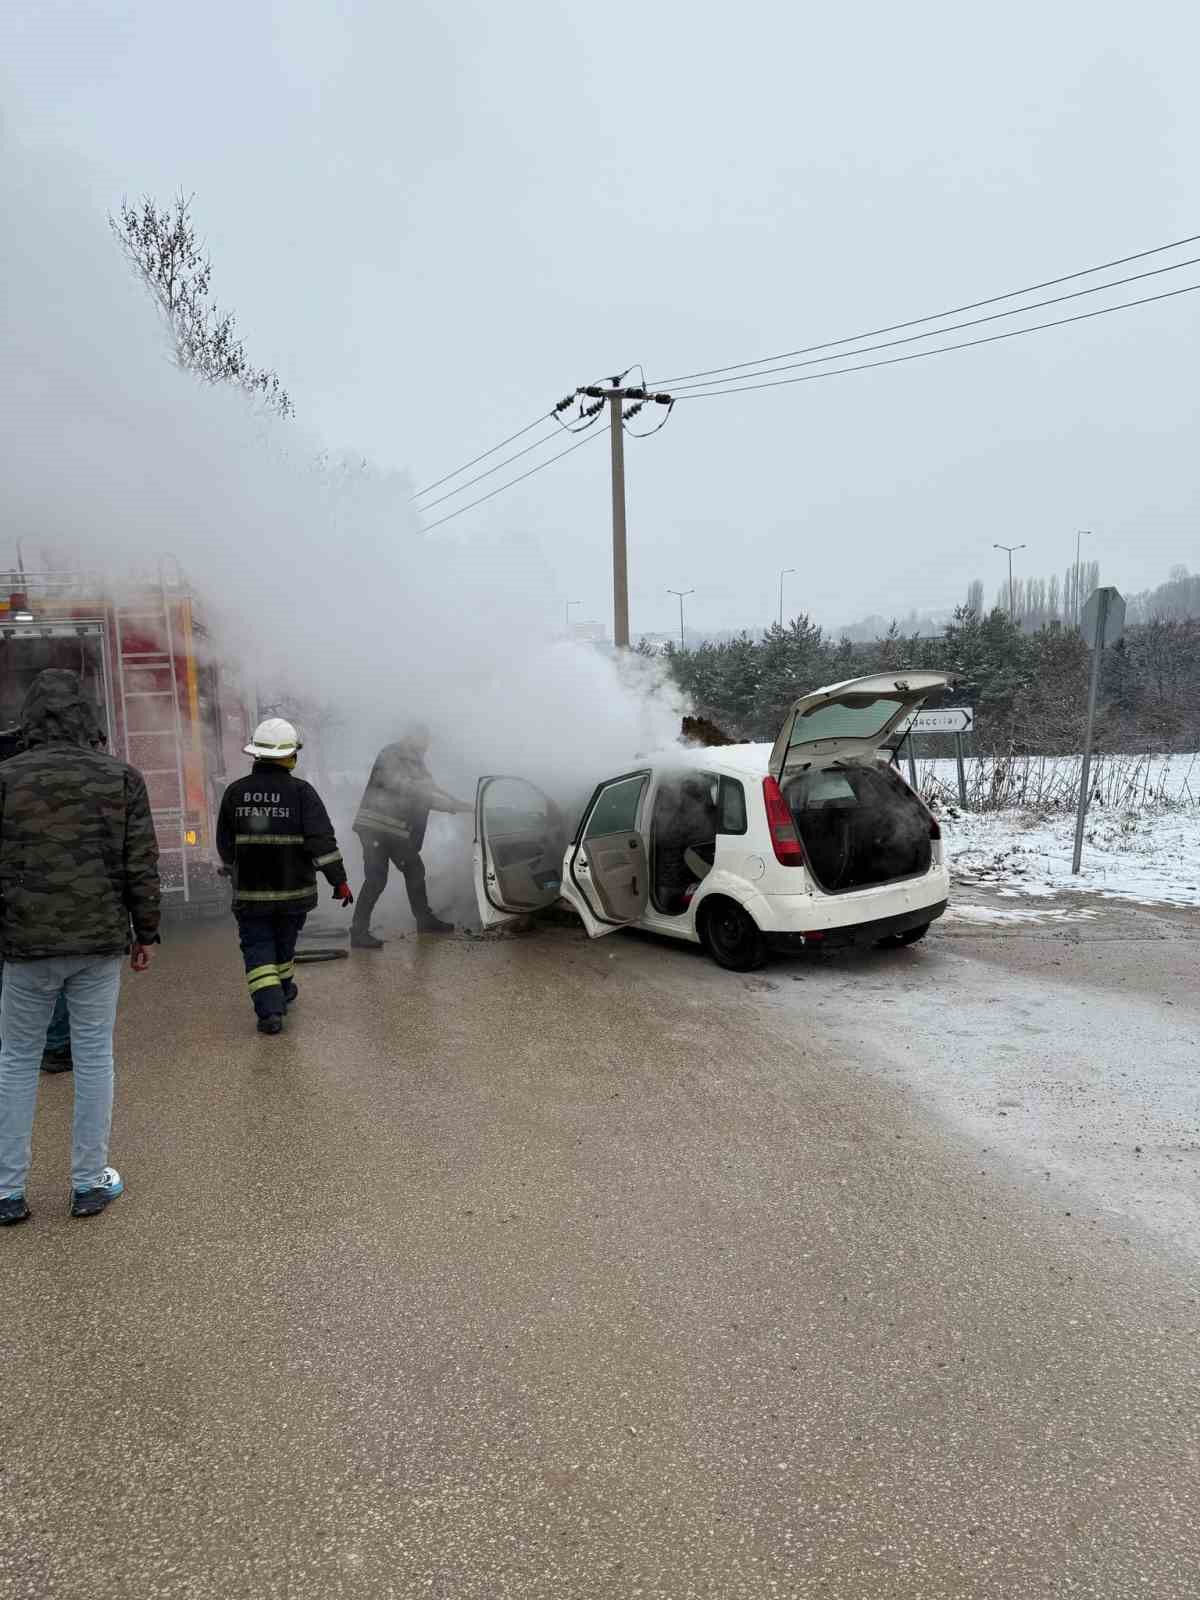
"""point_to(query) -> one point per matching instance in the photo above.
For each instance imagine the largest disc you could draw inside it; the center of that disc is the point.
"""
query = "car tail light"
(785, 841)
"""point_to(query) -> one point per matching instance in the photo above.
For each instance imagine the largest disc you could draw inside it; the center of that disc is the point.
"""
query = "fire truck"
(170, 707)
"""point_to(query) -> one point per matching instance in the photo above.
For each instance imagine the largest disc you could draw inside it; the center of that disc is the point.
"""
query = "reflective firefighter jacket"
(78, 855)
(274, 834)
(400, 794)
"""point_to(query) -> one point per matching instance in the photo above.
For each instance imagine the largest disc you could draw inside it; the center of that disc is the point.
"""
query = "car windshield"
(852, 717)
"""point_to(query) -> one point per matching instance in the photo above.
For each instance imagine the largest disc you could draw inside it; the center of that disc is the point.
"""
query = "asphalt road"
(539, 1268)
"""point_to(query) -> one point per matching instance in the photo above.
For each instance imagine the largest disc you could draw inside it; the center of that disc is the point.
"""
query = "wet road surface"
(536, 1267)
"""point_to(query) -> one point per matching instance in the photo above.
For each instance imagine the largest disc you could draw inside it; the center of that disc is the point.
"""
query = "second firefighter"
(274, 835)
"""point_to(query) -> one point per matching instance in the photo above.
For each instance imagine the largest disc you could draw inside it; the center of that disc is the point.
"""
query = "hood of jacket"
(57, 712)
(412, 748)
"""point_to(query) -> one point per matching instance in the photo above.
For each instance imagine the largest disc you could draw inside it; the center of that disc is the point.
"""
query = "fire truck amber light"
(191, 837)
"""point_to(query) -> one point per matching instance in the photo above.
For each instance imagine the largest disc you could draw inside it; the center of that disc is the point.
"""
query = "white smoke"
(314, 573)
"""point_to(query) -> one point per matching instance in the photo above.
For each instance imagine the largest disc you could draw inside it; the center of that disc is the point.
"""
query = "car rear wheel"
(731, 936)
(895, 941)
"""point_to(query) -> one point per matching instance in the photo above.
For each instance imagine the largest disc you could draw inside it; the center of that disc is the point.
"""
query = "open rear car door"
(850, 720)
(605, 872)
(519, 841)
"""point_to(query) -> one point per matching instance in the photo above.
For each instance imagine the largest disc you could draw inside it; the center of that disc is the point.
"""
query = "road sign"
(955, 719)
(1114, 618)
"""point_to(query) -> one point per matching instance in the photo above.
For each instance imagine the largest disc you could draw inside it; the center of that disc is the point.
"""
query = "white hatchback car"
(743, 849)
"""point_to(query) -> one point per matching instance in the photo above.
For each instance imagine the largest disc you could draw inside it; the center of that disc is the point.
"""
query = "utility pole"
(682, 593)
(1012, 609)
(616, 422)
(782, 576)
(616, 398)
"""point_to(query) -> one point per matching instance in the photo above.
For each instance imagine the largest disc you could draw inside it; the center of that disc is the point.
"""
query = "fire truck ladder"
(136, 667)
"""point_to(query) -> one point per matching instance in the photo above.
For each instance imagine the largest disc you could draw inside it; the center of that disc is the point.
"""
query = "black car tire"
(732, 937)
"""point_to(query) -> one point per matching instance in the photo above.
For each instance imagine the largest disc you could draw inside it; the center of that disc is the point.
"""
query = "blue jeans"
(91, 985)
(58, 1034)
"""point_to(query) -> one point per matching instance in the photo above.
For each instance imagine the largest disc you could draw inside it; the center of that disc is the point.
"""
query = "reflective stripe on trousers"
(268, 941)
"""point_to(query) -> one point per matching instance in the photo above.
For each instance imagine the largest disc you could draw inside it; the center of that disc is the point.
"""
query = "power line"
(954, 327)
(748, 380)
(645, 433)
(937, 316)
(578, 445)
(585, 417)
(488, 471)
(467, 465)
(941, 349)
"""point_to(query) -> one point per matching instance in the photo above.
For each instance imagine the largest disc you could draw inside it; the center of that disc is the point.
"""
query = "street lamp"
(782, 576)
(1012, 610)
(571, 603)
(681, 593)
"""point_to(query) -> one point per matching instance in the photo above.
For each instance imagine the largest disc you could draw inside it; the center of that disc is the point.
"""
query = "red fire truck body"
(171, 708)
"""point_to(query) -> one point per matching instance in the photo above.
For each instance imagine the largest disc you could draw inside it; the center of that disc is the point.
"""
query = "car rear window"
(855, 717)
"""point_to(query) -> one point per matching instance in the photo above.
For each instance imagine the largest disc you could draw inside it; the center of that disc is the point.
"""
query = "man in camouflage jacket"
(79, 889)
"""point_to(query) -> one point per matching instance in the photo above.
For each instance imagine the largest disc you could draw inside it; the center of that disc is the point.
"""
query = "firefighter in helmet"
(391, 825)
(274, 835)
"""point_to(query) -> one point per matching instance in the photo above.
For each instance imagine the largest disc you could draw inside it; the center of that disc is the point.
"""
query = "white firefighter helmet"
(274, 740)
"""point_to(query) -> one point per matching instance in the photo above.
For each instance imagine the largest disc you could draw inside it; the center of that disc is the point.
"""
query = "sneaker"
(57, 1060)
(365, 941)
(432, 924)
(13, 1209)
(270, 1024)
(90, 1202)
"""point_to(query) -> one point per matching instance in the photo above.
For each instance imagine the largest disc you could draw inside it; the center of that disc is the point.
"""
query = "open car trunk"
(859, 825)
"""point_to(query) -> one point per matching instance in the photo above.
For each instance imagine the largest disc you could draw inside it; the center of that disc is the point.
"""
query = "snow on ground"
(987, 915)
(1151, 855)
(1142, 838)
(1125, 782)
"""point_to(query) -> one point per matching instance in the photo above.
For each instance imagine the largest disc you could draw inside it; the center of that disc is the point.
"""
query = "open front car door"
(519, 842)
(605, 871)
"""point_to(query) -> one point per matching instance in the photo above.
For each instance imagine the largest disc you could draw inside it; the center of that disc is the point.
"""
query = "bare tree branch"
(160, 244)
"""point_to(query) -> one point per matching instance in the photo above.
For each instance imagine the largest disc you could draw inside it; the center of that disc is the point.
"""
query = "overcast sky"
(434, 219)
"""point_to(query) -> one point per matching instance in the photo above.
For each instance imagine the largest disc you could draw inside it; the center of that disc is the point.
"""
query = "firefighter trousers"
(268, 941)
(379, 852)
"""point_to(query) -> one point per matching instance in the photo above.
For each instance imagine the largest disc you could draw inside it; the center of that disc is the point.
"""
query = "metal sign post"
(1102, 623)
(956, 720)
(912, 760)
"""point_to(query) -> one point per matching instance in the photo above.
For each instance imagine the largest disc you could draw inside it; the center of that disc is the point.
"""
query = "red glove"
(342, 893)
